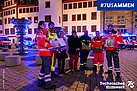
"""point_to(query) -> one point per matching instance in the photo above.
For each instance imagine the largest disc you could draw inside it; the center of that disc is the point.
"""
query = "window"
(123, 19)
(47, 4)
(65, 6)
(27, 9)
(0, 31)
(20, 10)
(8, 12)
(119, 19)
(93, 15)
(95, 3)
(29, 31)
(73, 28)
(35, 9)
(65, 17)
(107, 19)
(23, 10)
(8, 3)
(90, 4)
(13, 11)
(8, 21)
(29, 18)
(7, 31)
(73, 17)
(84, 17)
(1, 14)
(78, 28)
(31, 9)
(11, 2)
(125, 30)
(0, 22)
(59, 19)
(111, 19)
(84, 4)
(79, 5)
(47, 18)
(135, 18)
(35, 30)
(83, 28)
(65, 29)
(79, 17)
(70, 6)
(22, 17)
(12, 31)
(74, 5)
(93, 28)
(5, 20)
(121, 30)
(4, 14)
(35, 19)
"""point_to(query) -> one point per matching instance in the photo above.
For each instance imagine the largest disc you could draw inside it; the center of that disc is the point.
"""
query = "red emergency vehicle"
(5, 41)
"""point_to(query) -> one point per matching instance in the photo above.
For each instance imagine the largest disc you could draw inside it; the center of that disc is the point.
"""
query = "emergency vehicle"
(5, 41)
(28, 42)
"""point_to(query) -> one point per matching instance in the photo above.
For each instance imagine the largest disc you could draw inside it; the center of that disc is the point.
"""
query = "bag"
(84, 47)
(97, 50)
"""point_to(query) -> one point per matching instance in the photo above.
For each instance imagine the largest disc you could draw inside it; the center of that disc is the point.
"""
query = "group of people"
(49, 51)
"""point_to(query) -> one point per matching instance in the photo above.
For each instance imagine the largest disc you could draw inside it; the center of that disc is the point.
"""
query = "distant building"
(123, 21)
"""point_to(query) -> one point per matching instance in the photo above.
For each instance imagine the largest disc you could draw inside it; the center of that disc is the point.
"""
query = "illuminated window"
(119, 19)
(35, 19)
(123, 19)
(93, 15)
(90, 4)
(79, 17)
(84, 4)
(83, 28)
(107, 19)
(93, 28)
(73, 17)
(65, 17)
(74, 5)
(95, 3)
(79, 5)
(65, 6)
(84, 17)
(78, 28)
(70, 6)
(73, 28)
(111, 19)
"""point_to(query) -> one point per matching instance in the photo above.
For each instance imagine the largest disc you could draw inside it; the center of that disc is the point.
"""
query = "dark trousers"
(109, 55)
(73, 61)
(59, 65)
(83, 58)
(45, 71)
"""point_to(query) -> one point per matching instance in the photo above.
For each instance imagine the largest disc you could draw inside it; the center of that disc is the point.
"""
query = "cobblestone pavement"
(24, 77)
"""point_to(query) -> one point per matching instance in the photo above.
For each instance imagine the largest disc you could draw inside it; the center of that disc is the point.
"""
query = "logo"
(116, 4)
(130, 84)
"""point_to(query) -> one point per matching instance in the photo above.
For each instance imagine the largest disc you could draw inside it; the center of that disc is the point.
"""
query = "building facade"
(123, 21)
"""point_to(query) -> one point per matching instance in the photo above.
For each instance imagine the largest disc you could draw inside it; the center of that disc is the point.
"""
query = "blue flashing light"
(126, 34)
(26, 43)
(31, 43)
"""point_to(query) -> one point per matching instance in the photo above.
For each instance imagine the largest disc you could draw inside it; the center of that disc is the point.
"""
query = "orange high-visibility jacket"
(43, 43)
(96, 42)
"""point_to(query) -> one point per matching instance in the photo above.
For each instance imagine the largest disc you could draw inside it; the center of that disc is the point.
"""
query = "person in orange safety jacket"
(44, 53)
(111, 45)
(97, 48)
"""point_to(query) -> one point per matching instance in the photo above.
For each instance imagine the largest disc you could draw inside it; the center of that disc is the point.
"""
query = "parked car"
(5, 41)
